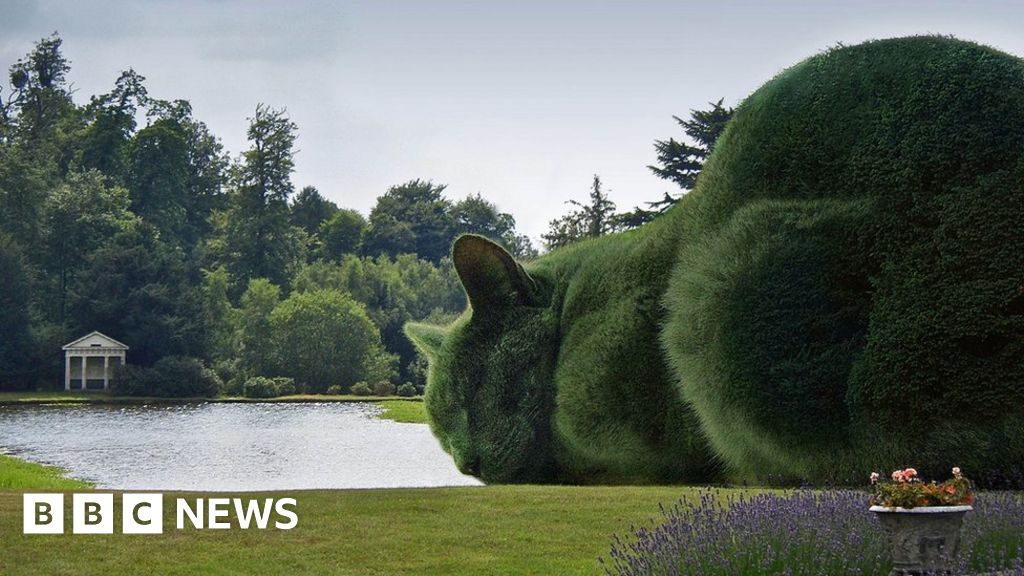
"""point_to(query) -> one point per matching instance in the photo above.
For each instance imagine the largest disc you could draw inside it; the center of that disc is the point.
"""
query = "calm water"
(229, 447)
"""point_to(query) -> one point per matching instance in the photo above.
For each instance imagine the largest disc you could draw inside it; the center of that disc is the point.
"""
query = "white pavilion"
(90, 361)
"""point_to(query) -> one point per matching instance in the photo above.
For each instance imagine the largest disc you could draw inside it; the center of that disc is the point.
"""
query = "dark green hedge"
(898, 337)
(842, 292)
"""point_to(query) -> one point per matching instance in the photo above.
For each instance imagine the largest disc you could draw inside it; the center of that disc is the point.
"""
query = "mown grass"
(492, 530)
(16, 474)
(406, 411)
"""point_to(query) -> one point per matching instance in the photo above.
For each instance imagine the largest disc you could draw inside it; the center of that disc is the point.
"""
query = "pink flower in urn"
(909, 474)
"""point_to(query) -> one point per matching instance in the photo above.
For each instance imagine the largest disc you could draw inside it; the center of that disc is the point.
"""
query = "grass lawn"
(16, 474)
(473, 531)
(407, 411)
(435, 531)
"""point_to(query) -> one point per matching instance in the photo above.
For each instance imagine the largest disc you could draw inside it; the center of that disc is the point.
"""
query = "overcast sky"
(521, 101)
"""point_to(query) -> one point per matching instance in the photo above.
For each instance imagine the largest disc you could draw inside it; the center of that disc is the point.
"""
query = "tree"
(257, 237)
(39, 98)
(310, 209)
(256, 346)
(136, 286)
(340, 234)
(475, 215)
(14, 313)
(324, 337)
(206, 166)
(80, 216)
(587, 221)
(411, 218)
(158, 179)
(35, 117)
(394, 291)
(681, 162)
(103, 143)
(220, 318)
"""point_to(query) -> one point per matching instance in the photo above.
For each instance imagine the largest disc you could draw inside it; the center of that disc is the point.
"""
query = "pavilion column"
(85, 362)
(67, 370)
(106, 371)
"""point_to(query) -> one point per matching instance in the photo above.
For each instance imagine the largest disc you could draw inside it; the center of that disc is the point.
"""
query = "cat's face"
(490, 393)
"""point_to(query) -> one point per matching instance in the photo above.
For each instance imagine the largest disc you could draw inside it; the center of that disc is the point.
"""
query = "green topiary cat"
(843, 291)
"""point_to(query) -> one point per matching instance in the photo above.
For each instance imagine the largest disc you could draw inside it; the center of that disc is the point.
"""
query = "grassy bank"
(489, 530)
(16, 474)
(409, 412)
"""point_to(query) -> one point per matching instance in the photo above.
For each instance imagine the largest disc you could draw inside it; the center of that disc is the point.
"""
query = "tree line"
(126, 215)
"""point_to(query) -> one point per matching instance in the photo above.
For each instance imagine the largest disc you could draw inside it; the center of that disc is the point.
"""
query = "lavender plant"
(800, 532)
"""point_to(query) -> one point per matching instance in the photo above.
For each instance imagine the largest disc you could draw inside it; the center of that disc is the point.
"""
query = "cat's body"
(840, 285)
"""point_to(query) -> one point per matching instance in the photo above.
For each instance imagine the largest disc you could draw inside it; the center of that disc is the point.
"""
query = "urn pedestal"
(923, 540)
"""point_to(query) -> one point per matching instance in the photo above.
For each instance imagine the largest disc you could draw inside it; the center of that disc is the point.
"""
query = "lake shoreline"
(232, 446)
(33, 398)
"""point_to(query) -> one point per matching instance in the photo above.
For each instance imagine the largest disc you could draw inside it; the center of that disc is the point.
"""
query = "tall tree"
(207, 166)
(39, 97)
(36, 115)
(681, 162)
(309, 209)
(158, 179)
(258, 239)
(103, 143)
(475, 215)
(136, 286)
(340, 234)
(14, 314)
(81, 215)
(590, 220)
(411, 218)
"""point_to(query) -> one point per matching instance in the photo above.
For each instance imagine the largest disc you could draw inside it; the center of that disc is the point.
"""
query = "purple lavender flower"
(828, 532)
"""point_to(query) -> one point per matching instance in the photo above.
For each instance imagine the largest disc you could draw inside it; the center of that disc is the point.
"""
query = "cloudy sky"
(521, 101)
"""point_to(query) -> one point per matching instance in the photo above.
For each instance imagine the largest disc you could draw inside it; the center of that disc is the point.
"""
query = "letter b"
(92, 514)
(43, 513)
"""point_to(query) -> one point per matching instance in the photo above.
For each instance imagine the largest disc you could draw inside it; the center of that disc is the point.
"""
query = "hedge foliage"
(171, 376)
(843, 291)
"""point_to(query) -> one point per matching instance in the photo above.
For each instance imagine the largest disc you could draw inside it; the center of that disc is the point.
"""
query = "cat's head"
(489, 389)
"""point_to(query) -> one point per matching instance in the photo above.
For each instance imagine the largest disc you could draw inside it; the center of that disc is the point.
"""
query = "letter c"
(137, 518)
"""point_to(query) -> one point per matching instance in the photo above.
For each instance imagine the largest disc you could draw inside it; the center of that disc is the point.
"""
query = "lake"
(229, 447)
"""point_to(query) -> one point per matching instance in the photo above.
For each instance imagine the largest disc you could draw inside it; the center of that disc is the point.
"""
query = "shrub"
(172, 377)
(334, 389)
(260, 387)
(361, 389)
(840, 292)
(325, 336)
(226, 370)
(383, 389)
(407, 390)
(236, 385)
(285, 386)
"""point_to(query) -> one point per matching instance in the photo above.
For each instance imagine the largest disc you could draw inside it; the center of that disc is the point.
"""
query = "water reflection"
(229, 447)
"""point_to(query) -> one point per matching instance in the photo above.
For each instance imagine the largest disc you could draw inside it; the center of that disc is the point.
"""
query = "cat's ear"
(427, 338)
(491, 276)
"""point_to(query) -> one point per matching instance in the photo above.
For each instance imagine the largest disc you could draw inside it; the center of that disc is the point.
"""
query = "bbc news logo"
(143, 513)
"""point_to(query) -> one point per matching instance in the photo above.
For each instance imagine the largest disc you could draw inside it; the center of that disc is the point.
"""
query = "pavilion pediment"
(95, 340)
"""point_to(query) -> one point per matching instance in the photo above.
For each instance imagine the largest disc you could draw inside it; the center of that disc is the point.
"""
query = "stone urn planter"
(923, 540)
